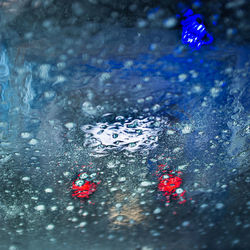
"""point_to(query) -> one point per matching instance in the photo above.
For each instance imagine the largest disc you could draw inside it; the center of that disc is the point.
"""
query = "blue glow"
(196, 4)
(153, 10)
(194, 31)
(215, 18)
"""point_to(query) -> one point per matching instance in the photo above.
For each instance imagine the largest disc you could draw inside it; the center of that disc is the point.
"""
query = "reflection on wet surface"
(124, 106)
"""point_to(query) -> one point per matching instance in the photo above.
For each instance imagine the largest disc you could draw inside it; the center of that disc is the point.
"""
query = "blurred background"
(109, 85)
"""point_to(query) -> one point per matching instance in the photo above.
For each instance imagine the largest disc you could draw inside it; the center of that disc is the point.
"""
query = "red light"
(84, 185)
(84, 190)
(170, 185)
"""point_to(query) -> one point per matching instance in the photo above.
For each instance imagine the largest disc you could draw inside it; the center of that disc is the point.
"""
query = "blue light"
(194, 31)
(153, 10)
(215, 18)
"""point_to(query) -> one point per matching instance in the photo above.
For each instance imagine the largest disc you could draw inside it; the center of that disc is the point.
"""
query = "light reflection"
(127, 214)
(131, 135)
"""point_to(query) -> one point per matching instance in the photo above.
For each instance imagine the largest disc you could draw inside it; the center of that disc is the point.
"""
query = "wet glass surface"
(108, 89)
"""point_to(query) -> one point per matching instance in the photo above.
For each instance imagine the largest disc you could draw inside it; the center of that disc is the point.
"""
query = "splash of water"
(27, 93)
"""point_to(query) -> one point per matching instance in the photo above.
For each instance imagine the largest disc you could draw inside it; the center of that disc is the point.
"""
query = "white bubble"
(176, 150)
(194, 73)
(153, 46)
(79, 183)
(66, 174)
(179, 190)
(170, 22)
(157, 211)
(85, 213)
(44, 71)
(25, 135)
(119, 218)
(104, 76)
(219, 205)
(197, 89)
(111, 164)
(47, 23)
(146, 183)
(48, 190)
(53, 208)
(26, 178)
(70, 208)
(182, 167)
(40, 207)
(147, 248)
(33, 141)
(113, 189)
(203, 206)
(83, 176)
(49, 94)
(122, 179)
(69, 125)
(182, 77)
(142, 23)
(88, 108)
(82, 224)
(12, 247)
(215, 92)
(50, 227)
(187, 129)
(185, 223)
(236, 241)
(141, 100)
(156, 107)
(165, 176)
(128, 64)
(93, 175)
(118, 205)
(61, 65)
(74, 219)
